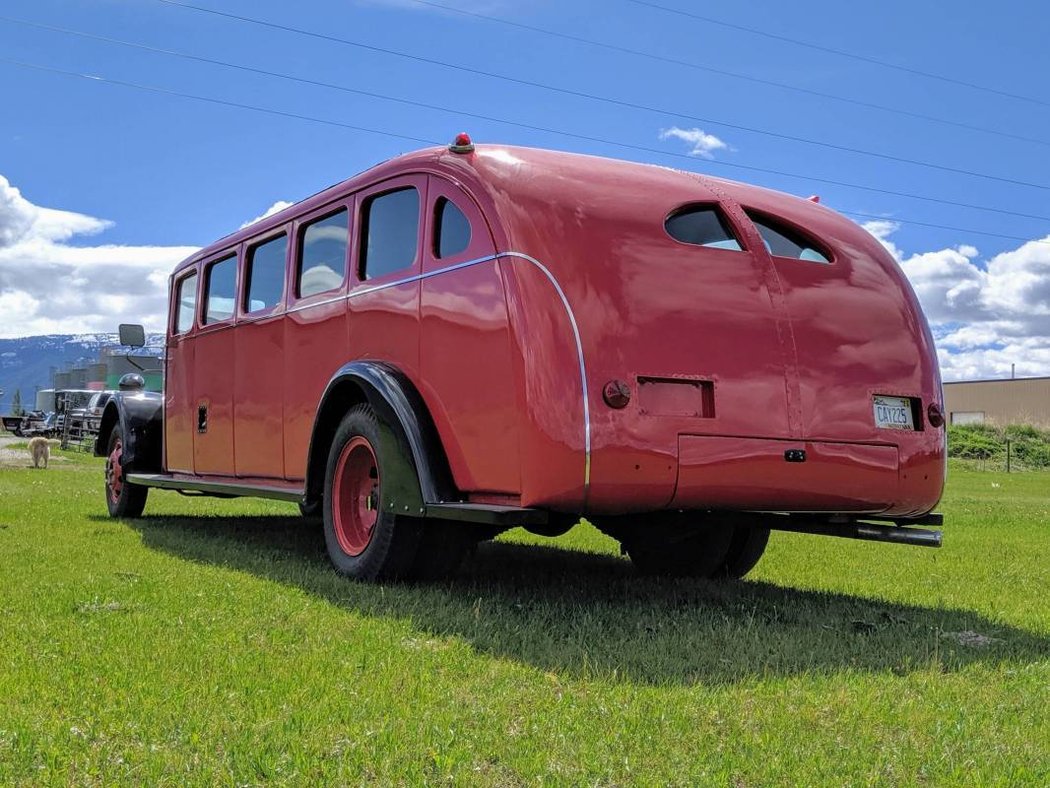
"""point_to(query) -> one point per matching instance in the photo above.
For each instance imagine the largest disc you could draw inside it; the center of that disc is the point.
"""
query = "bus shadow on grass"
(589, 615)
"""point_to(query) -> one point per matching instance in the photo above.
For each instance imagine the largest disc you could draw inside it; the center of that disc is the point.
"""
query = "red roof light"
(462, 143)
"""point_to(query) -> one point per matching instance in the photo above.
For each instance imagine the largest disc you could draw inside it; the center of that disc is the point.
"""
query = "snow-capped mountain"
(26, 363)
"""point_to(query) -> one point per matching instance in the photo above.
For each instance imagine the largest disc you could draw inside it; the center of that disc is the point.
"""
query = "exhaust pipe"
(899, 534)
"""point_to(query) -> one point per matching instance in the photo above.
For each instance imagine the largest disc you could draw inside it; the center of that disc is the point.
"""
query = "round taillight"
(462, 143)
(935, 415)
(616, 394)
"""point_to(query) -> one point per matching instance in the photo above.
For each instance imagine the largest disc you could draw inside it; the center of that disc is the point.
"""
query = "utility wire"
(944, 227)
(381, 132)
(529, 126)
(841, 53)
(605, 99)
(732, 74)
(210, 100)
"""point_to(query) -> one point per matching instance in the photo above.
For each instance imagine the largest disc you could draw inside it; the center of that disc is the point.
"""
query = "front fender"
(140, 416)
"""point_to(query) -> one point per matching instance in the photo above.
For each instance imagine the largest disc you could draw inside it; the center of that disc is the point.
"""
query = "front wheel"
(365, 540)
(123, 499)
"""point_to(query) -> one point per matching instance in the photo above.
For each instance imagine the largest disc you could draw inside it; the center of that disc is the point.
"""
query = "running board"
(218, 489)
(481, 514)
(486, 514)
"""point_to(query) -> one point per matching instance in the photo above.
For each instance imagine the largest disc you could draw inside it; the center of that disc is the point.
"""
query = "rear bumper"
(717, 472)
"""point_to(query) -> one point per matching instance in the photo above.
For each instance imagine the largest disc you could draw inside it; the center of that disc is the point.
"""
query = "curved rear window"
(784, 241)
(701, 225)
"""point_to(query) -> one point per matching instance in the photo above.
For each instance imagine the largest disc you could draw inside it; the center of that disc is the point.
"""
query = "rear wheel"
(365, 540)
(675, 544)
(122, 498)
(746, 548)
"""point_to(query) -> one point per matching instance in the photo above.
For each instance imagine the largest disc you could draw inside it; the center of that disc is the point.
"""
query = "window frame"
(206, 267)
(244, 288)
(754, 215)
(297, 236)
(434, 234)
(176, 294)
(415, 181)
(736, 232)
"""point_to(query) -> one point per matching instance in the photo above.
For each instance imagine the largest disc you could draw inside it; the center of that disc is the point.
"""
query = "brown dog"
(40, 450)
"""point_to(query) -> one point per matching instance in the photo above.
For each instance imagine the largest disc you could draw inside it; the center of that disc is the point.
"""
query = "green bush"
(974, 442)
(1029, 446)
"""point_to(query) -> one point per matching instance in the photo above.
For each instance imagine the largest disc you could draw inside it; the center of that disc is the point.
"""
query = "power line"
(840, 53)
(210, 100)
(944, 227)
(381, 132)
(731, 74)
(529, 126)
(604, 99)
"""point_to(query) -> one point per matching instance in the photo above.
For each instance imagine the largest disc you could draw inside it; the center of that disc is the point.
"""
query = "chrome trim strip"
(583, 369)
(568, 311)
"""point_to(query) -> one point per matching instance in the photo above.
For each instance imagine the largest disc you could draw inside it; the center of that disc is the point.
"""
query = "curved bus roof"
(497, 175)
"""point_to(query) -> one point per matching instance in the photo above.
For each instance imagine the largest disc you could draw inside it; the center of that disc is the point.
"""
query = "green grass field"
(210, 643)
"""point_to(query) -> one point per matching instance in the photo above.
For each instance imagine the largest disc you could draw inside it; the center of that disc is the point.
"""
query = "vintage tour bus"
(465, 339)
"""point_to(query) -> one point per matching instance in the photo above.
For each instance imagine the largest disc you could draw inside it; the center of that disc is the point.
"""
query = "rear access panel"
(718, 472)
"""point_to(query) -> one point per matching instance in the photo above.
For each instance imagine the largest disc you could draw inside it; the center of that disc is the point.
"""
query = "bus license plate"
(893, 413)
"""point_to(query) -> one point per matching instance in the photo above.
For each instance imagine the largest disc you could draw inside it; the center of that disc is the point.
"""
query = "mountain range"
(26, 363)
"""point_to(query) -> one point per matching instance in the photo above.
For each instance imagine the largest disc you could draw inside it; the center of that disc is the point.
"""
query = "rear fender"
(140, 416)
(416, 468)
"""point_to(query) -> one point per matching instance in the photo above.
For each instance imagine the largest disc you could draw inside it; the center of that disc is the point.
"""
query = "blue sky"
(114, 184)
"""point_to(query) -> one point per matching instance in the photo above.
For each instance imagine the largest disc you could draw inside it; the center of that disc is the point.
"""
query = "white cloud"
(703, 144)
(50, 287)
(278, 206)
(986, 315)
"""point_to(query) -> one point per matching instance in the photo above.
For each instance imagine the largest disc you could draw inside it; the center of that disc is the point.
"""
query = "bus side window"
(390, 232)
(186, 298)
(451, 229)
(264, 274)
(220, 285)
(322, 254)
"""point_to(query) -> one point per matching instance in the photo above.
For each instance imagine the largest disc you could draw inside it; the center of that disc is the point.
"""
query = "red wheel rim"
(355, 494)
(114, 471)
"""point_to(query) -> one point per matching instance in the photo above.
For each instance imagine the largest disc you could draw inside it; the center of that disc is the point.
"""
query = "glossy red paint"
(730, 357)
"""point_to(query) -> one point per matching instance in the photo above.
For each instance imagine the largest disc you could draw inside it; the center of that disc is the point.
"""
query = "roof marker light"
(814, 198)
(462, 143)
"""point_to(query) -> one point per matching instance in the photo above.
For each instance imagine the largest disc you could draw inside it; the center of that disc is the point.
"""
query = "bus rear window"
(701, 225)
(783, 241)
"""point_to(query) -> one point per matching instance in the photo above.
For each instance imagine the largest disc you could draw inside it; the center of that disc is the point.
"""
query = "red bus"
(465, 339)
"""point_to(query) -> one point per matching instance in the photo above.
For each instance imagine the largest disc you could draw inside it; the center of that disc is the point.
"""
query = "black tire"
(676, 545)
(365, 540)
(746, 548)
(122, 499)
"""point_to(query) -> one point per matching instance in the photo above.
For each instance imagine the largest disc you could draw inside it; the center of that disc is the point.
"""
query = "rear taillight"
(934, 415)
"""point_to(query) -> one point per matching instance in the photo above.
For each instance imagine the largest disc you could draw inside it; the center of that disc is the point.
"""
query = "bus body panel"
(717, 348)
(467, 374)
(258, 398)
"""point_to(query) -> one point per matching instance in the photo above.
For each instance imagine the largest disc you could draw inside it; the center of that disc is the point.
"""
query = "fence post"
(1007, 455)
